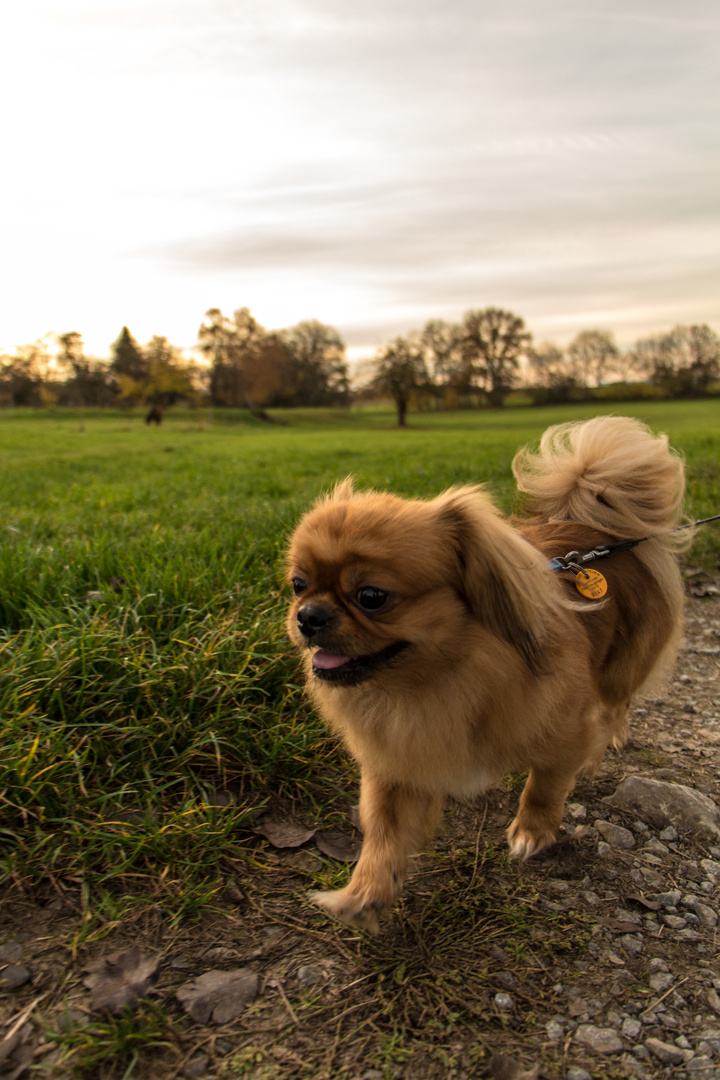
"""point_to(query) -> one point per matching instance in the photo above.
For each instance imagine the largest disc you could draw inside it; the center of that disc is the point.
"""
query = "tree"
(70, 353)
(88, 381)
(21, 382)
(553, 376)
(441, 343)
(591, 353)
(636, 363)
(317, 370)
(493, 341)
(400, 372)
(129, 367)
(247, 365)
(685, 360)
(169, 377)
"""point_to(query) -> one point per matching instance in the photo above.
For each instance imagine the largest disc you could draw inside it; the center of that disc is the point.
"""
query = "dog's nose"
(313, 617)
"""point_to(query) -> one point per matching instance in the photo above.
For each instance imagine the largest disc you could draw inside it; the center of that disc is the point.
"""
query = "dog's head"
(387, 584)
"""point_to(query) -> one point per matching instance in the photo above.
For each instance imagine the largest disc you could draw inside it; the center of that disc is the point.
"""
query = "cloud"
(398, 160)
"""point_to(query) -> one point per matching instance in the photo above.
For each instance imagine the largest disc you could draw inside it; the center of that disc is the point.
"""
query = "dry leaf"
(651, 905)
(284, 834)
(120, 980)
(620, 926)
(502, 1067)
(219, 996)
(338, 845)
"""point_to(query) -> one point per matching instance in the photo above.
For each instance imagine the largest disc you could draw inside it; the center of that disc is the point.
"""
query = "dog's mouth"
(350, 670)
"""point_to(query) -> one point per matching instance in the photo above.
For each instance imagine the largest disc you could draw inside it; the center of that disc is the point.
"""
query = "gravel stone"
(615, 835)
(555, 1031)
(666, 899)
(701, 1066)
(654, 847)
(666, 1052)
(631, 943)
(665, 804)
(706, 915)
(197, 1066)
(601, 1040)
(308, 974)
(10, 952)
(631, 1028)
(14, 976)
(504, 1002)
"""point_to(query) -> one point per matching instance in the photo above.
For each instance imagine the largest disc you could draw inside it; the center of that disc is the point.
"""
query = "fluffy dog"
(444, 650)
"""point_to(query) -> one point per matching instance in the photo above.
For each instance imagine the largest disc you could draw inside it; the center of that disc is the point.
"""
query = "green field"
(144, 663)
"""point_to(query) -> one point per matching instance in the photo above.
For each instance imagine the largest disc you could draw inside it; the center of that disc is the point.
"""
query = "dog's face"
(384, 584)
(373, 578)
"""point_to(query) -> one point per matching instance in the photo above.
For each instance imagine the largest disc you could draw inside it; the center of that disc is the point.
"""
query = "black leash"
(573, 559)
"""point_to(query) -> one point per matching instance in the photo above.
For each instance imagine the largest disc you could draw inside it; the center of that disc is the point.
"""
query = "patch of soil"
(593, 960)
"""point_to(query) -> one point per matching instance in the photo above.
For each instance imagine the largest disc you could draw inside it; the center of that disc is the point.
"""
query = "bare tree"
(553, 375)
(685, 360)
(400, 372)
(493, 341)
(592, 352)
(317, 370)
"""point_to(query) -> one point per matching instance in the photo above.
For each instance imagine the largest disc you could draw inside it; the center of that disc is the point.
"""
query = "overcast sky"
(372, 165)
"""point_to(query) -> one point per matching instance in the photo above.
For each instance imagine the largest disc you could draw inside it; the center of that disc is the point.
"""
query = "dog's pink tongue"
(327, 661)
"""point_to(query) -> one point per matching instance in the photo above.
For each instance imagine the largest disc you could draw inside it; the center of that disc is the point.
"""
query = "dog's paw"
(350, 908)
(525, 842)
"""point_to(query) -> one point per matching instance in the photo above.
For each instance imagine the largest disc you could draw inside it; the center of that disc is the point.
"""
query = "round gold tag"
(591, 583)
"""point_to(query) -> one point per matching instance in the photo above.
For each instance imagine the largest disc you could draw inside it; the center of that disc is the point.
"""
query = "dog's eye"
(299, 585)
(370, 598)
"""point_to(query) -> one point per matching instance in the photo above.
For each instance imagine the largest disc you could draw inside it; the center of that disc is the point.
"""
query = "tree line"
(241, 364)
(482, 359)
(476, 362)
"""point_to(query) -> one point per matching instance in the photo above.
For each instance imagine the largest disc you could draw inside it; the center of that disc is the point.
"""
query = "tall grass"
(148, 699)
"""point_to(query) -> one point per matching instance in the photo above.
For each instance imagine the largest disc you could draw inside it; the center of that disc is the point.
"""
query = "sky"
(370, 165)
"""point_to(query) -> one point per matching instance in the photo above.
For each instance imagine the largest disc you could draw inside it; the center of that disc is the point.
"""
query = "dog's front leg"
(395, 820)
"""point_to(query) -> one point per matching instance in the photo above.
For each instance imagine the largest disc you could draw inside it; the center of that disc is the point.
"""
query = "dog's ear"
(505, 581)
(342, 491)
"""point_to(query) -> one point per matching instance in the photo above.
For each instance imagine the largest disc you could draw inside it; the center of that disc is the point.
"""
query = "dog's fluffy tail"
(610, 473)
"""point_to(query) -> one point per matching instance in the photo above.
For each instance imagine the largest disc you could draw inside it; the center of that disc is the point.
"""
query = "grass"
(149, 702)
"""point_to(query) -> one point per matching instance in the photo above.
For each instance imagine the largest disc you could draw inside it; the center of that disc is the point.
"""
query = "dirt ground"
(594, 960)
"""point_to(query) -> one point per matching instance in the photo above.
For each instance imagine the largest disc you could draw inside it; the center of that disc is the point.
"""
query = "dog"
(445, 649)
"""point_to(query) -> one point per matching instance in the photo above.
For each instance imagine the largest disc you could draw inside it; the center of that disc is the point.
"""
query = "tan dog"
(445, 652)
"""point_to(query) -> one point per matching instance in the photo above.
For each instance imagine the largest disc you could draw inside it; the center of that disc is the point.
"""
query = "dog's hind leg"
(617, 722)
(541, 808)
(396, 821)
